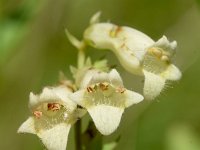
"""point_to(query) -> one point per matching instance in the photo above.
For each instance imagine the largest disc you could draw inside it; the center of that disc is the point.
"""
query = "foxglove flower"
(137, 53)
(53, 114)
(105, 98)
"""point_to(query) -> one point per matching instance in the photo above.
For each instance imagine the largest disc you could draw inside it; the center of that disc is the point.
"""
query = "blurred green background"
(34, 48)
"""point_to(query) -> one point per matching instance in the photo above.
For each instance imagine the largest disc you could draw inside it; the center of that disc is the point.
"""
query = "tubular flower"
(137, 53)
(53, 114)
(105, 98)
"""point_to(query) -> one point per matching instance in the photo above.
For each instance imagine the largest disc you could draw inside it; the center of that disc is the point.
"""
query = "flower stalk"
(78, 141)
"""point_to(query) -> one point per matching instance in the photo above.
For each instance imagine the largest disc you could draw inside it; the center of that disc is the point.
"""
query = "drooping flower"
(137, 53)
(53, 114)
(105, 98)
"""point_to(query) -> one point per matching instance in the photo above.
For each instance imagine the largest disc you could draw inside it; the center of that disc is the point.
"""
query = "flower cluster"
(98, 89)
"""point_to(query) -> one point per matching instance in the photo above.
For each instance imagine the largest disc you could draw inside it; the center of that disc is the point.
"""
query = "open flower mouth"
(48, 115)
(156, 60)
(104, 93)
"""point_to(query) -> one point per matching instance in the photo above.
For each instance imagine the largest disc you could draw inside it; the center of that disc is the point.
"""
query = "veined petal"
(172, 73)
(55, 138)
(106, 118)
(153, 85)
(115, 78)
(27, 126)
(132, 98)
(134, 42)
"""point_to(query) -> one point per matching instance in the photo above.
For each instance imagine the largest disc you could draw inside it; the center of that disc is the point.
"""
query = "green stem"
(80, 64)
(81, 58)
(78, 135)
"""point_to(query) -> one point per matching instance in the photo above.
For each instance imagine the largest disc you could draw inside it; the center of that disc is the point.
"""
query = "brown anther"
(53, 106)
(114, 31)
(103, 86)
(120, 90)
(37, 114)
(90, 89)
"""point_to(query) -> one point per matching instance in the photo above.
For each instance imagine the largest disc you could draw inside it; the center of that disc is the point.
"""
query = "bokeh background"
(34, 48)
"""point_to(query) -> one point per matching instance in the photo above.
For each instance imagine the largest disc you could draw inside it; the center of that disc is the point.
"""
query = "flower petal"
(134, 41)
(27, 126)
(172, 73)
(99, 77)
(53, 94)
(33, 99)
(128, 44)
(56, 137)
(115, 78)
(130, 62)
(98, 36)
(106, 118)
(63, 94)
(85, 80)
(132, 98)
(166, 45)
(153, 85)
(78, 97)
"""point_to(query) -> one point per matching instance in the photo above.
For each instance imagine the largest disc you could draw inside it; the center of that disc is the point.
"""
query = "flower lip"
(104, 93)
(106, 118)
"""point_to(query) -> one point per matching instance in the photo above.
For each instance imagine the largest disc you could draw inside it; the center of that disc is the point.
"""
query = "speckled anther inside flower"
(105, 98)
(53, 113)
(137, 53)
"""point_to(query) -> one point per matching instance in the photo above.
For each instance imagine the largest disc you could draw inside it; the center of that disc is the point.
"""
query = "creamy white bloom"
(137, 53)
(53, 113)
(105, 98)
